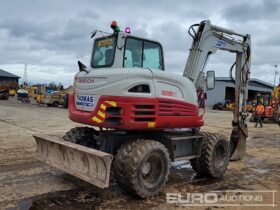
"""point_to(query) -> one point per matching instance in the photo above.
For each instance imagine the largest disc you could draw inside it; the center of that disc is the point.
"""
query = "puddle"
(262, 171)
(70, 200)
(24, 204)
(251, 160)
(113, 198)
(86, 200)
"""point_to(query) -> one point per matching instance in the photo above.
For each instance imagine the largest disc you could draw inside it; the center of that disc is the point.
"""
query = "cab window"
(152, 56)
(141, 53)
(103, 52)
(133, 53)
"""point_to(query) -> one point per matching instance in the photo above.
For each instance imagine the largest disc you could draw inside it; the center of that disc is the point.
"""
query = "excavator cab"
(132, 52)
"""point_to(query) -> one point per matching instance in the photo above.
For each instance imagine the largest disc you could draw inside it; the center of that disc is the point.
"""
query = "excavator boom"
(207, 39)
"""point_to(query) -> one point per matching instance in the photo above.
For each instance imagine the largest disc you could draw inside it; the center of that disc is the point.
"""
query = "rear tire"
(146, 169)
(85, 136)
(215, 156)
(119, 163)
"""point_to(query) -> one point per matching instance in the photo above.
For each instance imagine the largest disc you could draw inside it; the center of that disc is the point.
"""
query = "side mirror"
(210, 80)
(82, 67)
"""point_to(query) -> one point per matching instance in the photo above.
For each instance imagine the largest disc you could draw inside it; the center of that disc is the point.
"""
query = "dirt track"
(27, 183)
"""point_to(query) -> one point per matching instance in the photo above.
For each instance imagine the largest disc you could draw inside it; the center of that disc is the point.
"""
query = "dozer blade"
(85, 163)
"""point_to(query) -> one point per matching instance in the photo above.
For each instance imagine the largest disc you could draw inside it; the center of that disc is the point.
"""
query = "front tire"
(146, 169)
(196, 162)
(85, 136)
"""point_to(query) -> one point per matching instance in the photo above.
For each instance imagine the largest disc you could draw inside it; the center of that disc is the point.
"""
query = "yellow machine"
(36, 90)
(250, 107)
(276, 96)
(53, 99)
(12, 92)
(39, 98)
(276, 91)
(230, 107)
(271, 104)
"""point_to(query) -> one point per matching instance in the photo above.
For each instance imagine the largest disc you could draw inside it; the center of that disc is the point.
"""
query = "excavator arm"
(207, 39)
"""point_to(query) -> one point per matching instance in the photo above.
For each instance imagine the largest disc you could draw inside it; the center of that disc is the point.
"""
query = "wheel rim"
(152, 170)
(219, 155)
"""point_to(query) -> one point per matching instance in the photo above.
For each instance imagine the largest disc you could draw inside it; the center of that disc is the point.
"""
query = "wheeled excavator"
(141, 118)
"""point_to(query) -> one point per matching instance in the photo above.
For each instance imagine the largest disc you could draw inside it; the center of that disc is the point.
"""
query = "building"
(8, 80)
(224, 90)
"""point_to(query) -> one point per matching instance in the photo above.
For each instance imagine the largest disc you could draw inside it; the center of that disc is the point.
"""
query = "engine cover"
(134, 99)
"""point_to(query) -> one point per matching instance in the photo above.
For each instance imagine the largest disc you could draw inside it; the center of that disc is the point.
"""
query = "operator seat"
(108, 56)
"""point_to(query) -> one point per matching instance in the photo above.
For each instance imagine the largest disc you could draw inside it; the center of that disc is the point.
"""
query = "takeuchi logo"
(85, 80)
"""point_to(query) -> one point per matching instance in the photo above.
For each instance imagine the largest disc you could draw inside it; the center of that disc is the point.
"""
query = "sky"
(50, 36)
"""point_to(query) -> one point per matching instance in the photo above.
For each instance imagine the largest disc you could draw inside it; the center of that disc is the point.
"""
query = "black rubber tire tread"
(85, 136)
(140, 150)
(195, 162)
(207, 151)
(55, 104)
(252, 119)
(119, 163)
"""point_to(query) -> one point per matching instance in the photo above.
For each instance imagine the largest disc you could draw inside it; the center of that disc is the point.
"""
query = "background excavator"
(276, 104)
(148, 117)
(271, 106)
